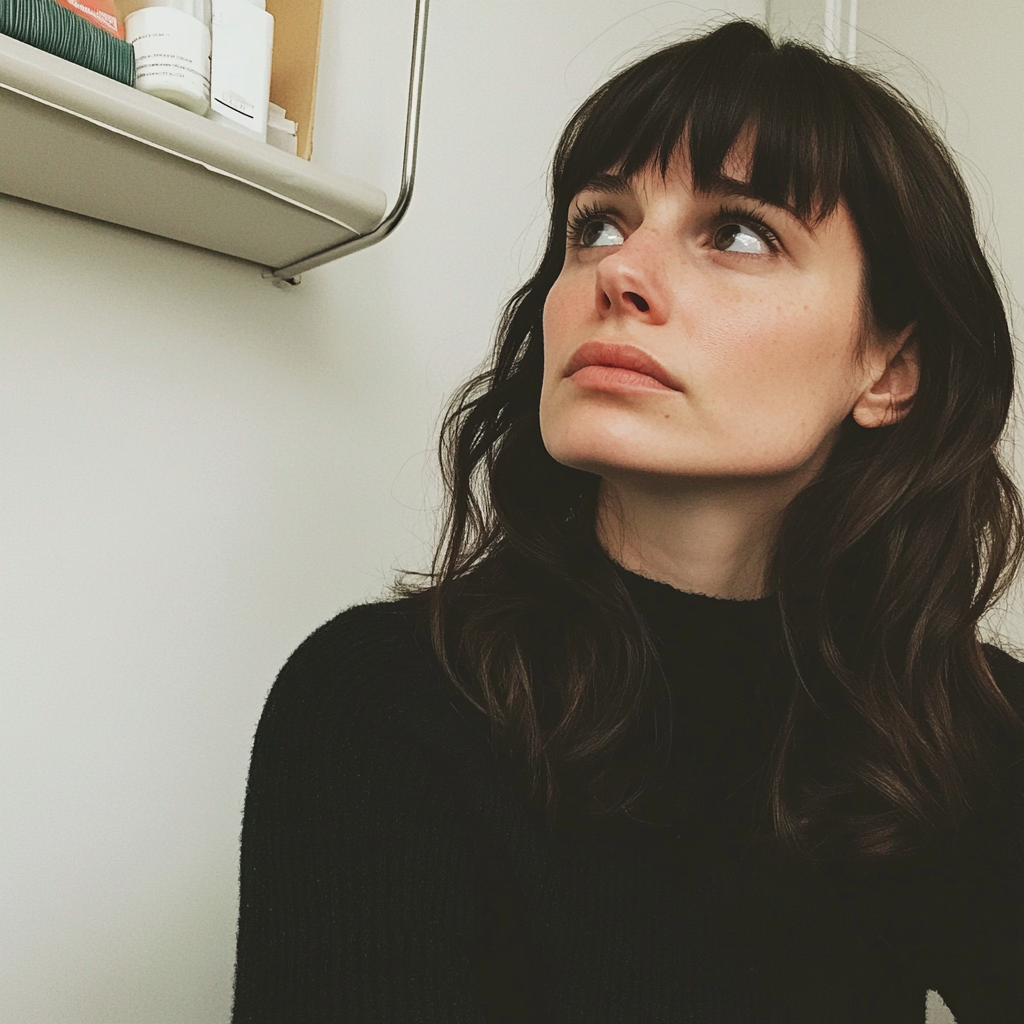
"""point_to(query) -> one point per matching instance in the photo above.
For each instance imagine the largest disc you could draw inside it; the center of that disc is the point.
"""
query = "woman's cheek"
(555, 311)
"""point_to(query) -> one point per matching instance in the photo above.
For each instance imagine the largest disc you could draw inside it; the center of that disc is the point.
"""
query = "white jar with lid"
(172, 50)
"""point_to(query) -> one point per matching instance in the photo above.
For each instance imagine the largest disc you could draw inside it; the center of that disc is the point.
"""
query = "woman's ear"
(890, 396)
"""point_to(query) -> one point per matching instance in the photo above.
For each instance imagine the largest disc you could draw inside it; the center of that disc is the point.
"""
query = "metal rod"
(412, 131)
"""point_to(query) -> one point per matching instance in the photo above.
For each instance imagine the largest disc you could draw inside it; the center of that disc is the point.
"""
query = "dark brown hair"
(883, 565)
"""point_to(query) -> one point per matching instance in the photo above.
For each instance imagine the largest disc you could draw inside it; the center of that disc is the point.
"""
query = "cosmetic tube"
(243, 46)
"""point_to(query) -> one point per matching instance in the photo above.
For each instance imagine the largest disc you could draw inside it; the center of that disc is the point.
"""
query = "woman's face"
(737, 324)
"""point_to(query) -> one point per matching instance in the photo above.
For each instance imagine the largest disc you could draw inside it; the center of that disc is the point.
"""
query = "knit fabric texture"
(390, 873)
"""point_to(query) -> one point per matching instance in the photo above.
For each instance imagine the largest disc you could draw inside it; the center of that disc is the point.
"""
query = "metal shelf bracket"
(284, 276)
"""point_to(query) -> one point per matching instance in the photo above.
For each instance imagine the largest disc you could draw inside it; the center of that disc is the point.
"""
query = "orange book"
(100, 12)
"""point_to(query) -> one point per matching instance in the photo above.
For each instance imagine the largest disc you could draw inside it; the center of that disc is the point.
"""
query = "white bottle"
(172, 51)
(243, 46)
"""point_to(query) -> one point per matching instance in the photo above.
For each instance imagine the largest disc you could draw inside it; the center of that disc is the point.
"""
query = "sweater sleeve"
(359, 888)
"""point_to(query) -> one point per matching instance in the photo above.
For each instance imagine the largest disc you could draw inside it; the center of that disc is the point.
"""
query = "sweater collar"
(663, 602)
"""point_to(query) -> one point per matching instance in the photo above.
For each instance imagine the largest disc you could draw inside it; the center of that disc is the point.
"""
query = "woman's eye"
(738, 238)
(600, 232)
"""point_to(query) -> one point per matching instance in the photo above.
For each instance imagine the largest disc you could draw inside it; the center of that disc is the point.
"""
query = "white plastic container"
(243, 47)
(172, 51)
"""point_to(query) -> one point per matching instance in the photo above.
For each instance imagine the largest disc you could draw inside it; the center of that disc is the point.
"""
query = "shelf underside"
(77, 141)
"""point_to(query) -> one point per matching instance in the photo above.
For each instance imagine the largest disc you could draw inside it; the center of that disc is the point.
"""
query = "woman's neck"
(708, 537)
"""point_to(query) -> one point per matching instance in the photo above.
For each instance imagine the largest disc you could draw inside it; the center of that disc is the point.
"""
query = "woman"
(691, 721)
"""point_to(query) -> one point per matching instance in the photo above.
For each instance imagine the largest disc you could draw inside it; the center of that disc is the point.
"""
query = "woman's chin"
(611, 460)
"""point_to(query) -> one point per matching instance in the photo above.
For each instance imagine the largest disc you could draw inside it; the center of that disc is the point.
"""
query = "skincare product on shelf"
(281, 132)
(172, 50)
(243, 43)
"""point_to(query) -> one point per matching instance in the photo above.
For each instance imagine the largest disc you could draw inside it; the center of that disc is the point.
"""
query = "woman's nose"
(629, 282)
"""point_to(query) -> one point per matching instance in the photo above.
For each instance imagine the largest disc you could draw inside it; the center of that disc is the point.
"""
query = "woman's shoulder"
(363, 636)
(368, 675)
(1008, 672)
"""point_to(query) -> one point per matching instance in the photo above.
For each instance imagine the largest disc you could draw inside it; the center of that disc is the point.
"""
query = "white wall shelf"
(77, 141)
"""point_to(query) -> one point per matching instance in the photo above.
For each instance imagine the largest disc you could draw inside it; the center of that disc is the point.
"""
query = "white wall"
(198, 469)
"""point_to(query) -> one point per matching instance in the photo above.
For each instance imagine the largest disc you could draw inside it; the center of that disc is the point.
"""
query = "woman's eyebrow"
(730, 188)
(608, 184)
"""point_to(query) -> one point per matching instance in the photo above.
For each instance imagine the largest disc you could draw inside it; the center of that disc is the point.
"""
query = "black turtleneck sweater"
(390, 874)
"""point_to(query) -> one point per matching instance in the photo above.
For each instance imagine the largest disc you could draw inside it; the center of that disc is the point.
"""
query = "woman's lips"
(618, 367)
(616, 378)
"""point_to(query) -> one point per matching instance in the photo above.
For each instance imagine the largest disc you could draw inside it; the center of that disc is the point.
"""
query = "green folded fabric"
(49, 26)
